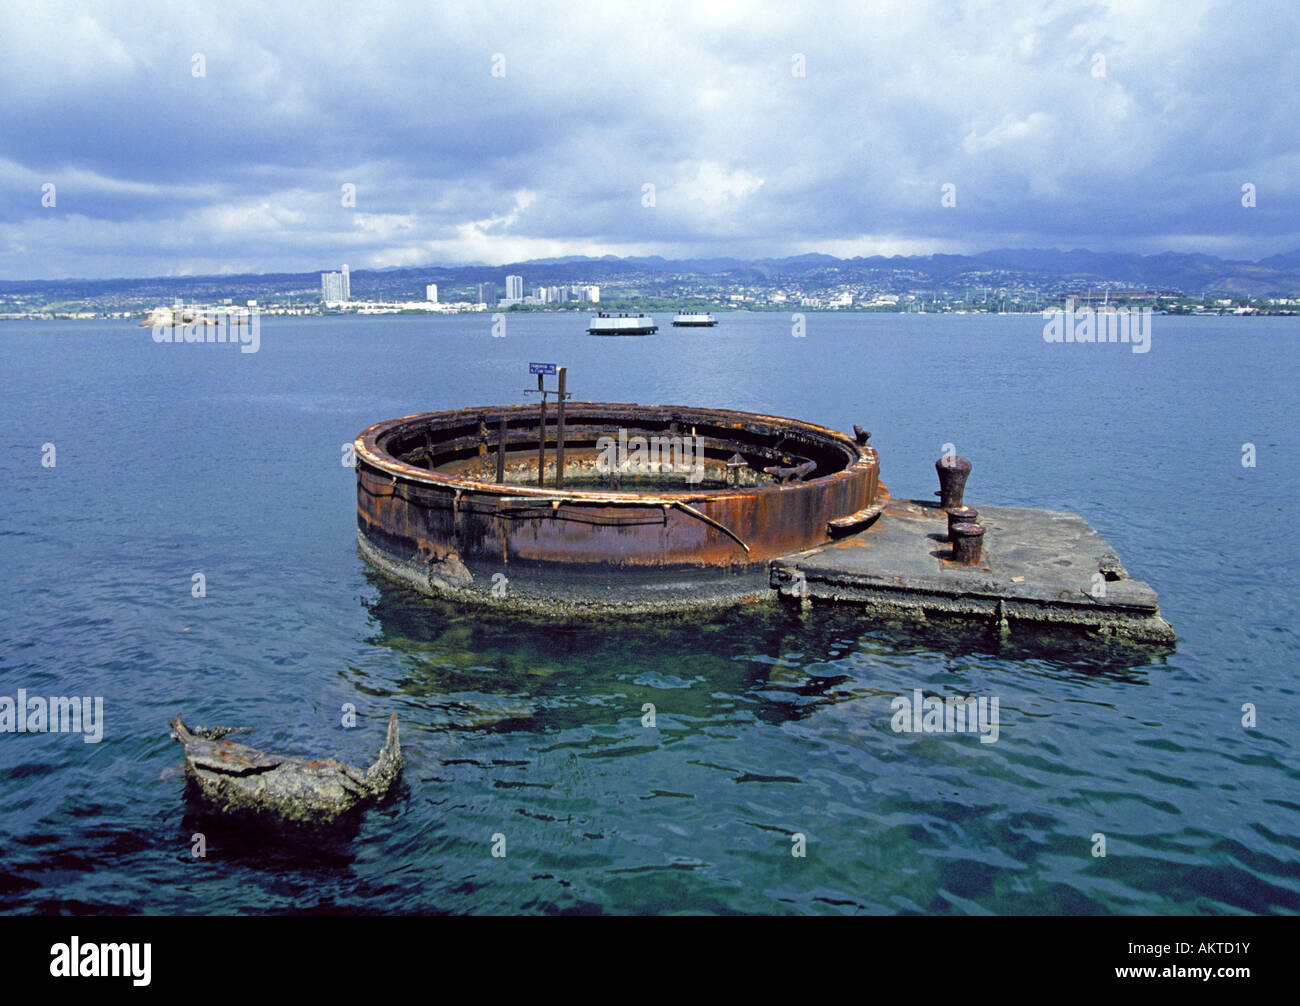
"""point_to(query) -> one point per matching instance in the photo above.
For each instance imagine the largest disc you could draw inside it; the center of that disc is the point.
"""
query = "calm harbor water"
(173, 460)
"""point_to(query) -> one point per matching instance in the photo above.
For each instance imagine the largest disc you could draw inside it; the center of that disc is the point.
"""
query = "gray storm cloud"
(501, 132)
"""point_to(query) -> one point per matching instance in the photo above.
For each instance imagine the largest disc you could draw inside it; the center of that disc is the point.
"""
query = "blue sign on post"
(541, 368)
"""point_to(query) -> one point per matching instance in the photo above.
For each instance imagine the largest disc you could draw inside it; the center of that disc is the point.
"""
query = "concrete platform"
(1040, 570)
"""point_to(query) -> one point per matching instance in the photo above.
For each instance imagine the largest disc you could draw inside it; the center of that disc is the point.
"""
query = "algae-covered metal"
(242, 781)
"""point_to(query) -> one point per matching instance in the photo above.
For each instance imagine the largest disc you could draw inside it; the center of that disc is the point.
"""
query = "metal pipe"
(501, 449)
(667, 504)
(541, 436)
(559, 434)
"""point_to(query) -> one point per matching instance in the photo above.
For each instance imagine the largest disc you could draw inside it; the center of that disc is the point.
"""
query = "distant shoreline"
(140, 319)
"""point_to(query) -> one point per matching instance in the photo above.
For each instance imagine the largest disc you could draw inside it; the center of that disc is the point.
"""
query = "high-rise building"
(431, 293)
(347, 283)
(487, 294)
(331, 287)
(514, 288)
(539, 294)
(593, 294)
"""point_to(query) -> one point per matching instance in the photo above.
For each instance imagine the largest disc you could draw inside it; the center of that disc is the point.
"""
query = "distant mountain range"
(1049, 270)
(1193, 274)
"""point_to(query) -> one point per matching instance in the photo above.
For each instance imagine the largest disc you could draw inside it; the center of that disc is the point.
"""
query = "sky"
(156, 139)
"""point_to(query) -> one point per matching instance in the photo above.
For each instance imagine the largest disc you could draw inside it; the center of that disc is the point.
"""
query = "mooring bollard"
(961, 515)
(953, 473)
(967, 540)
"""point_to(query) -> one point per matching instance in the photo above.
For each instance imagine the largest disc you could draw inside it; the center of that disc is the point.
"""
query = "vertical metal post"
(541, 436)
(501, 449)
(559, 434)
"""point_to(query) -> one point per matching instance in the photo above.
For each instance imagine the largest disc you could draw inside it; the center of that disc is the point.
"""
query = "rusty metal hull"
(429, 513)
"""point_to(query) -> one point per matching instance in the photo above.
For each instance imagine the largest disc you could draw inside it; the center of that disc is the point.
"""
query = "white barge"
(694, 321)
(622, 324)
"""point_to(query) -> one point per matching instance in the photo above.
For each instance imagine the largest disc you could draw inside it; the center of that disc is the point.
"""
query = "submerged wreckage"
(243, 782)
(625, 507)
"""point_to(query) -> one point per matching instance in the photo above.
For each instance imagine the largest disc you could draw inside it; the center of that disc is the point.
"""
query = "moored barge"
(622, 324)
(697, 320)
